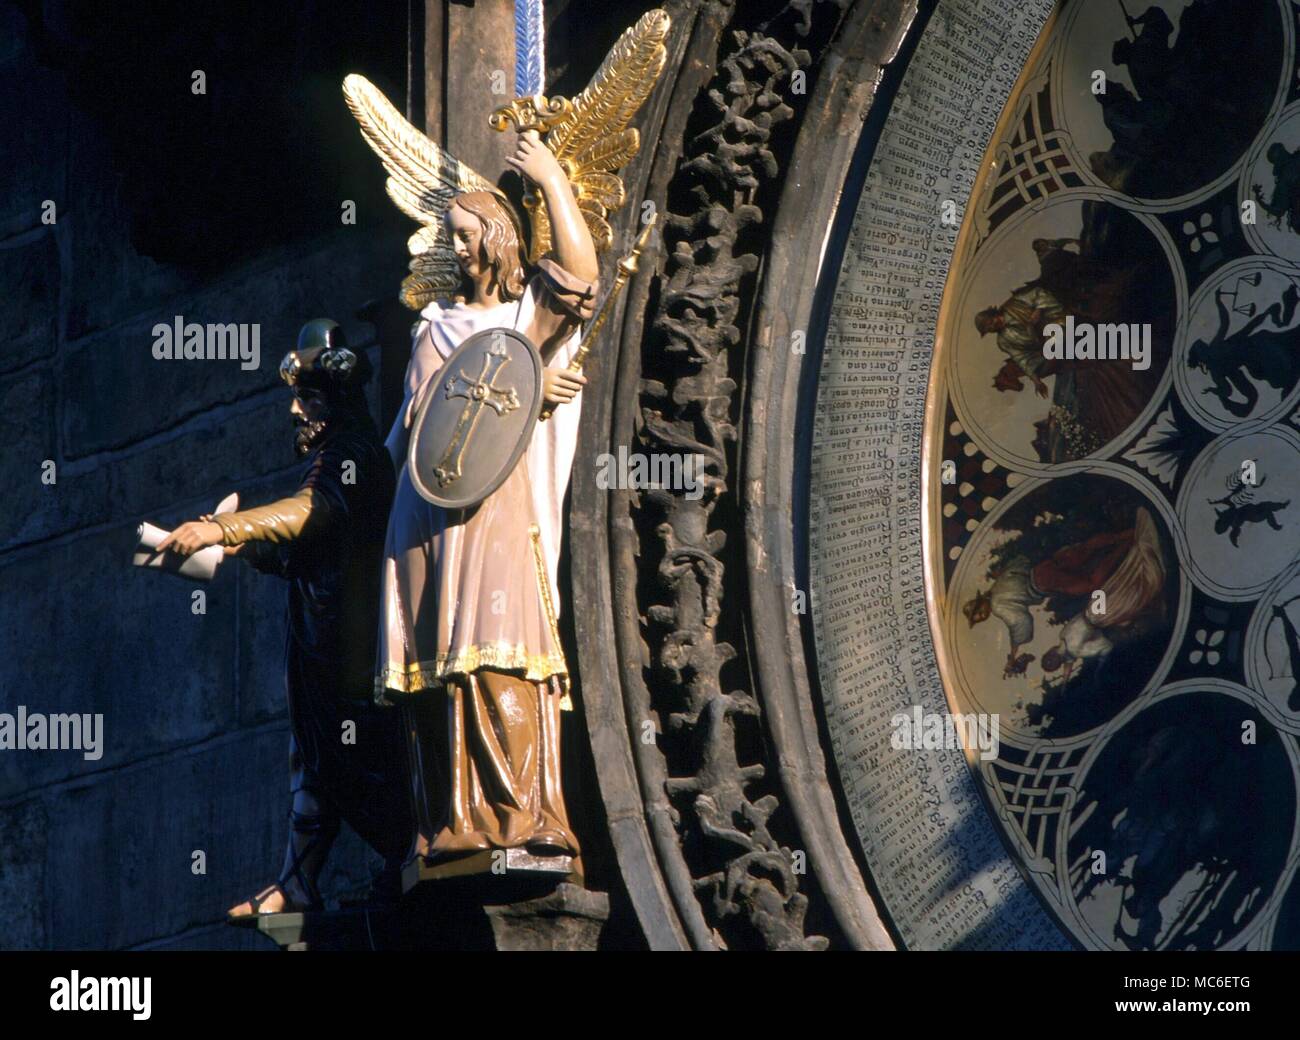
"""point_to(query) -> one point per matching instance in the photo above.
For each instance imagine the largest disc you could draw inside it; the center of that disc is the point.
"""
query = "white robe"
(408, 660)
(550, 453)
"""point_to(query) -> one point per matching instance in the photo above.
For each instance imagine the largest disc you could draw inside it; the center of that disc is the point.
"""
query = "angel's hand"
(535, 161)
(559, 385)
(191, 537)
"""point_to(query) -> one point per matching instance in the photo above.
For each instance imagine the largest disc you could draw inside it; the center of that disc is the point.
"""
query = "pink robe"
(477, 588)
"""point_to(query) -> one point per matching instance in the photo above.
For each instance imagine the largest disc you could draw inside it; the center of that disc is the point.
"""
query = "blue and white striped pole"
(530, 49)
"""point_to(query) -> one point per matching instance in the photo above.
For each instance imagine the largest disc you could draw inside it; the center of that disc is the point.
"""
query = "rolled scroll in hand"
(201, 566)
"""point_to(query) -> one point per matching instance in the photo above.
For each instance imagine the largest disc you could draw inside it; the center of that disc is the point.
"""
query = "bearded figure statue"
(346, 754)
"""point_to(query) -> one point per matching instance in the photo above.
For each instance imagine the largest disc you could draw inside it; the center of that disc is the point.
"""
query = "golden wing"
(589, 135)
(422, 180)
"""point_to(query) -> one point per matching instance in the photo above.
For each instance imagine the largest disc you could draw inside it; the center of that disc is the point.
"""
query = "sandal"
(306, 837)
(256, 902)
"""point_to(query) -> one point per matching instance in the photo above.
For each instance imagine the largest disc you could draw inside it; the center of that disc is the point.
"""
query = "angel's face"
(466, 239)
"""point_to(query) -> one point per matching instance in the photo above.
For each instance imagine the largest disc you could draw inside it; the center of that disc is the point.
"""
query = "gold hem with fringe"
(502, 657)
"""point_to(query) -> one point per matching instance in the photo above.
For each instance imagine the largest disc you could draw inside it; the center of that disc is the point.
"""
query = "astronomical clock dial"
(1062, 331)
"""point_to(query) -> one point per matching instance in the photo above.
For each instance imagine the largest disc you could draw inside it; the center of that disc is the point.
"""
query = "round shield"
(476, 419)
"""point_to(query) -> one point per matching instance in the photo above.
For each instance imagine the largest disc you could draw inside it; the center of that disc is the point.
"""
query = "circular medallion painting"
(1134, 84)
(1164, 848)
(1236, 351)
(1065, 602)
(1104, 282)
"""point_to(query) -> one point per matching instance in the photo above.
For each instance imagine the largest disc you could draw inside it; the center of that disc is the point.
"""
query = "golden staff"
(627, 267)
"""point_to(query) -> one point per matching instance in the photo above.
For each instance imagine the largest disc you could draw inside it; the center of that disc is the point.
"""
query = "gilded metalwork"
(589, 135)
(532, 113)
(592, 138)
(477, 393)
(432, 675)
(627, 267)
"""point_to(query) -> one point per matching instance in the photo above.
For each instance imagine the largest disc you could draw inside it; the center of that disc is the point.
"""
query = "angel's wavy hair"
(502, 241)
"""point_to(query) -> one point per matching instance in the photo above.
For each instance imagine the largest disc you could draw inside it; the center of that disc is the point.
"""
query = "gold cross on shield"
(477, 393)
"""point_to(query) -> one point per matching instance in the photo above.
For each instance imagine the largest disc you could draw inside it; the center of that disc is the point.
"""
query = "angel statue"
(468, 644)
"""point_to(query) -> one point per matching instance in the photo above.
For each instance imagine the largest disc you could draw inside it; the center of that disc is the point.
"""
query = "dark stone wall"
(222, 207)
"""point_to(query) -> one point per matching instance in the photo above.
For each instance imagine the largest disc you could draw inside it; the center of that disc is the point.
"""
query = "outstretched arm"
(279, 523)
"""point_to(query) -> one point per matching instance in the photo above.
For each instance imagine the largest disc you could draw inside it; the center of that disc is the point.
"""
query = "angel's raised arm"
(572, 249)
(570, 238)
(590, 139)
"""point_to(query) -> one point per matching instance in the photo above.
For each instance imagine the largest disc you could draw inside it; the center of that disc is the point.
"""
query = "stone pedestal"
(570, 918)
